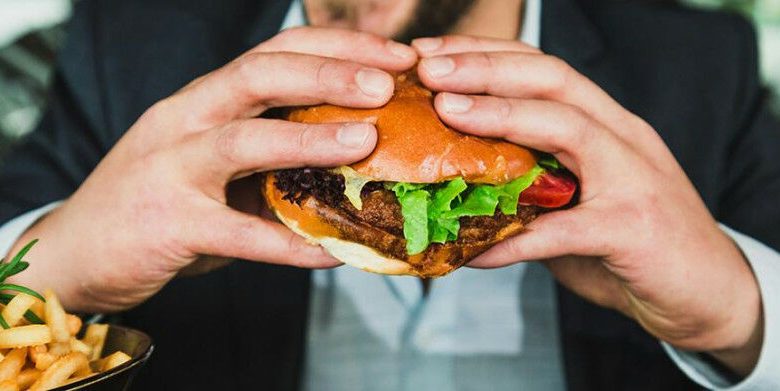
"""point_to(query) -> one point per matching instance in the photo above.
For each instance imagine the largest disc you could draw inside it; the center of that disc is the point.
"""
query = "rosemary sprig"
(8, 269)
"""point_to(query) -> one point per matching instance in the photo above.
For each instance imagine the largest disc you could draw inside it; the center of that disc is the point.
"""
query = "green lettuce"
(431, 212)
(415, 202)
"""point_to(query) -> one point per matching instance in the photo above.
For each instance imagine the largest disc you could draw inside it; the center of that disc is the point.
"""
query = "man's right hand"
(157, 201)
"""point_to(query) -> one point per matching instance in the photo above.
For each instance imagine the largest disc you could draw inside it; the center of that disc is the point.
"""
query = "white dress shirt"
(448, 323)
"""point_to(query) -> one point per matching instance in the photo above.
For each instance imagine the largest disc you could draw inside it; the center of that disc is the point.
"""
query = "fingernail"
(400, 50)
(455, 103)
(353, 135)
(427, 44)
(438, 66)
(373, 82)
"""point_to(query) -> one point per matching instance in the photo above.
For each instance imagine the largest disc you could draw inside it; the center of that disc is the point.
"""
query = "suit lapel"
(570, 34)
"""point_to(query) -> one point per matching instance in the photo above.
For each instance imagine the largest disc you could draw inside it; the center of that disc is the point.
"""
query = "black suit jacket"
(692, 75)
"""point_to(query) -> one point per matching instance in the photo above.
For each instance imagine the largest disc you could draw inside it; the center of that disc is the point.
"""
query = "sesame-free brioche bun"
(414, 145)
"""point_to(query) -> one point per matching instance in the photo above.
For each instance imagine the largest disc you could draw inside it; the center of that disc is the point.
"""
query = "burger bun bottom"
(351, 253)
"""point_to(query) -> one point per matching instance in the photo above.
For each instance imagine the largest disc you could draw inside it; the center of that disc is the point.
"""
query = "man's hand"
(158, 200)
(641, 240)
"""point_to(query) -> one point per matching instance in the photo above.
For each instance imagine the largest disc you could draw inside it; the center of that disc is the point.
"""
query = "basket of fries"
(42, 347)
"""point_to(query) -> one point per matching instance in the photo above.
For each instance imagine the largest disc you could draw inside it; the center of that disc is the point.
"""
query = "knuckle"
(242, 233)
(581, 127)
(306, 139)
(363, 39)
(228, 142)
(294, 247)
(246, 67)
(561, 73)
(158, 110)
(332, 77)
(488, 65)
(321, 75)
(486, 59)
(505, 110)
(459, 40)
(513, 249)
(642, 125)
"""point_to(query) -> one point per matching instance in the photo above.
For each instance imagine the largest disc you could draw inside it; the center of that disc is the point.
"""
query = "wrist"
(737, 342)
(46, 270)
(743, 358)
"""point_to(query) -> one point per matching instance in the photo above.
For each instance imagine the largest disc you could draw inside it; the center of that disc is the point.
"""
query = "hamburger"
(428, 198)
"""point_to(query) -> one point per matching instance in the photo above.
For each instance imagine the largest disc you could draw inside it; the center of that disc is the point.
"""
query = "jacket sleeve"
(749, 199)
(50, 163)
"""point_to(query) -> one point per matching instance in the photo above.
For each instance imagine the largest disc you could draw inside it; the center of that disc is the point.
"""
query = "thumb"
(554, 234)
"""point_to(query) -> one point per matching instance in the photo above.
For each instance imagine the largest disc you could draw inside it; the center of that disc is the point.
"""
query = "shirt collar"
(530, 33)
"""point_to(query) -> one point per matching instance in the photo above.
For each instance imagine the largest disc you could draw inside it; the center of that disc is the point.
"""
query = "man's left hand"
(640, 240)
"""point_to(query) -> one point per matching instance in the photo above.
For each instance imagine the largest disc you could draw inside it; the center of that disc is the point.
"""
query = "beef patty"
(380, 224)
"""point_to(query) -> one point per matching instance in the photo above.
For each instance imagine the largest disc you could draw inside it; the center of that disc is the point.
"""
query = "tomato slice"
(550, 190)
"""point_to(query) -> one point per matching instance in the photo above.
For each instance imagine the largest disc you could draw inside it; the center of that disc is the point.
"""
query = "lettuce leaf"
(414, 208)
(442, 229)
(481, 201)
(510, 192)
(401, 188)
(431, 212)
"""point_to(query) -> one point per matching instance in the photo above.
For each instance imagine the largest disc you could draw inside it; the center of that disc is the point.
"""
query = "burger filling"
(422, 213)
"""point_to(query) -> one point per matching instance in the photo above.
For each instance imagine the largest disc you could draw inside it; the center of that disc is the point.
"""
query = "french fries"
(59, 372)
(27, 377)
(9, 385)
(17, 337)
(41, 357)
(114, 360)
(74, 324)
(56, 318)
(95, 336)
(45, 356)
(79, 346)
(14, 311)
(12, 364)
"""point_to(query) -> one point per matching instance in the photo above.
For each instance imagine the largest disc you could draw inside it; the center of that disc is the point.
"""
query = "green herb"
(8, 269)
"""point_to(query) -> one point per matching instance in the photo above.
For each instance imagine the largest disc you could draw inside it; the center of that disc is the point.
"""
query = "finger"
(523, 75)
(578, 141)
(551, 235)
(449, 44)
(227, 233)
(361, 47)
(253, 83)
(254, 145)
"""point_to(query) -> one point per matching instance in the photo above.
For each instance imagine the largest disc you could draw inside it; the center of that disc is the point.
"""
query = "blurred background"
(33, 30)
